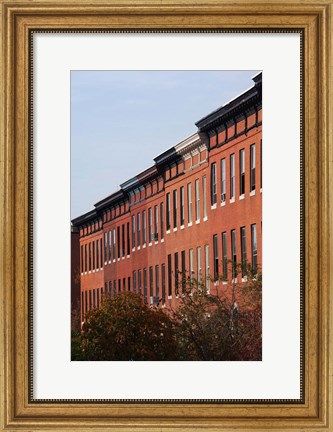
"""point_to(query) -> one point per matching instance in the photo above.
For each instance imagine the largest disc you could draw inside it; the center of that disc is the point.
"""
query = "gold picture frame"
(19, 19)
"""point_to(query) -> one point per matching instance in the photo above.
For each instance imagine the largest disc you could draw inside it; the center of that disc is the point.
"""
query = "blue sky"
(121, 120)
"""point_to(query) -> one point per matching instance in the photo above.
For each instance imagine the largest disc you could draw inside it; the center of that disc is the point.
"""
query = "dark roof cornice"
(238, 105)
(85, 218)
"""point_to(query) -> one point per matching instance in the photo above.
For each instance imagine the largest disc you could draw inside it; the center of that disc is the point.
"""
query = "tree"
(224, 324)
(124, 328)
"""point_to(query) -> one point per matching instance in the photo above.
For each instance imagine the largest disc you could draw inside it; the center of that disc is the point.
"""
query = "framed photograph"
(166, 218)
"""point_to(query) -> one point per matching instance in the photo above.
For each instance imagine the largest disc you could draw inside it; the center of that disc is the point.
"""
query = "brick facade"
(204, 191)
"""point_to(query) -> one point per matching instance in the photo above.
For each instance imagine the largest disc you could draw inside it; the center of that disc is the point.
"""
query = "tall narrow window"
(213, 194)
(232, 176)
(216, 257)
(176, 273)
(175, 208)
(183, 264)
(157, 281)
(163, 283)
(252, 167)
(224, 256)
(207, 268)
(189, 202)
(162, 219)
(243, 250)
(106, 251)
(97, 254)
(138, 223)
(101, 252)
(123, 240)
(81, 258)
(133, 231)
(233, 254)
(168, 211)
(124, 284)
(204, 188)
(89, 256)
(114, 244)
(93, 255)
(156, 223)
(128, 284)
(169, 276)
(145, 285)
(223, 181)
(144, 228)
(197, 200)
(118, 242)
(242, 172)
(191, 259)
(85, 258)
(254, 248)
(119, 285)
(199, 270)
(182, 205)
(150, 224)
(151, 282)
(139, 282)
(114, 288)
(134, 281)
(128, 239)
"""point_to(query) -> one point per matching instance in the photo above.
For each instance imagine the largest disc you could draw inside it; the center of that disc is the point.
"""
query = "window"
(128, 239)
(163, 283)
(224, 256)
(97, 254)
(123, 240)
(81, 258)
(191, 268)
(109, 247)
(106, 254)
(176, 273)
(175, 208)
(114, 244)
(213, 194)
(144, 227)
(145, 285)
(223, 181)
(128, 283)
(199, 270)
(156, 223)
(124, 284)
(134, 281)
(204, 188)
(232, 176)
(89, 256)
(216, 257)
(101, 252)
(162, 219)
(151, 282)
(169, 276)
(183, 271)
(157, 281)
(252, 167)
(93, 255)
(254, 248)
(233, 254)
(182, 206)
(168, 211)
(114, 288)
(133, 231)
(85, 258)
(139, 281)
(189, 202)
(118, 241)
(119, 285)
(243, 250)
(138, 223)
(197, 200)
(207, 268)
(241, 172)
(150, 224)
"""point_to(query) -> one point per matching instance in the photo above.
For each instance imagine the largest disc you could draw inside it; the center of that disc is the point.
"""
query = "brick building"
(198, 206)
